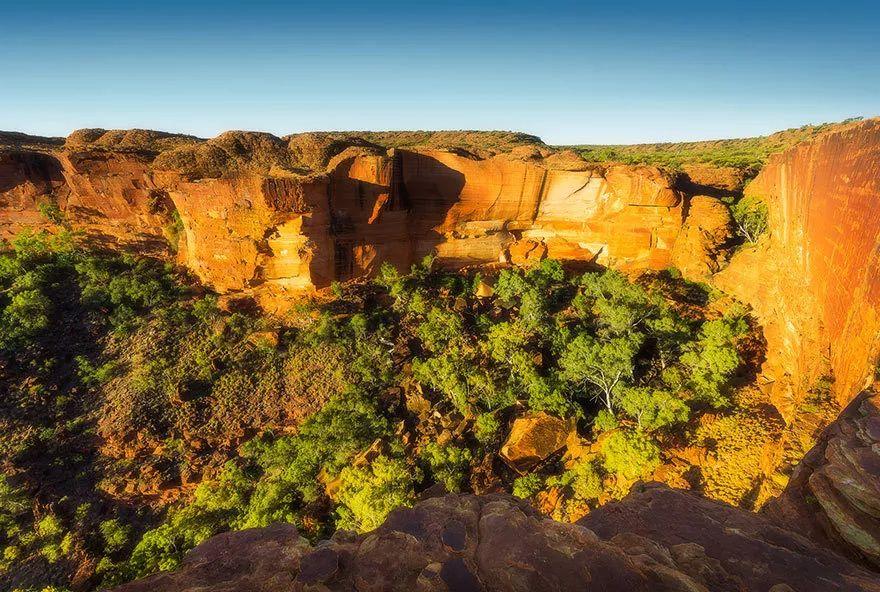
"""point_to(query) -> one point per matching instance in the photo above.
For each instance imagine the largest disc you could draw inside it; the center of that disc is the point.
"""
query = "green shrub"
(367, 494)
(441, 329)
(447, 464)
(54, 541)
(14, 507)
(527, 486)
(51, 212)
(486, 428)
(630, 454)
(583, 480)
(24, 317)
(115, 534)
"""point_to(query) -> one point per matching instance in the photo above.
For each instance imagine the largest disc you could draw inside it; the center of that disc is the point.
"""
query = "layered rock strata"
(241, 214)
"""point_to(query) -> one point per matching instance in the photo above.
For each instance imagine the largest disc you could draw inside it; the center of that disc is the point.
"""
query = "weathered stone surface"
(251, 213)
(834, 495)
(533, 438)
(723, 548)
(255, 560)
(703, 245)
(814, 280)
(656, 539)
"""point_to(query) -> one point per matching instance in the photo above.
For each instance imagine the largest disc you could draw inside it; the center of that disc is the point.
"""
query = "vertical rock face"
(702, 245)
(241, 214)
(814, 279)
(256, 227)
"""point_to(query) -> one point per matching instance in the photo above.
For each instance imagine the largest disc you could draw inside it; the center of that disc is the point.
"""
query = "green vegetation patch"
(131, 383)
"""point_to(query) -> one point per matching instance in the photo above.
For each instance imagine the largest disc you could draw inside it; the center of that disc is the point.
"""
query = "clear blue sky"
(591, 72)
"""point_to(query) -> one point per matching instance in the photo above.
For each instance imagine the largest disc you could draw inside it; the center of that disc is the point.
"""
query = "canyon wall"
(814, 278)
(257, 215)
(274, 233)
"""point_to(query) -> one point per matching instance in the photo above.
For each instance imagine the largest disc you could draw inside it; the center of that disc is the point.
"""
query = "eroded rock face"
(704, 241)
(656, 539)
(245, 213)
(834, 495)
(814, 279)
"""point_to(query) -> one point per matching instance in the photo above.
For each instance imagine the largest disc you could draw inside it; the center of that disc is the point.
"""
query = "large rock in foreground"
(834, 495)
(657, 539)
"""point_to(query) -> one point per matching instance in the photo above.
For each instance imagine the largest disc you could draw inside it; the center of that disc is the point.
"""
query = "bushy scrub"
(367, 494)
(527, 486)
(486, 428)
(277, 481)
(630, 454)
(447, 464)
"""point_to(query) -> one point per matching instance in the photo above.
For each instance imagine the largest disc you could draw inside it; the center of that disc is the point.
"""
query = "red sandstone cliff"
(275, 217)
(814, 278)
(255, 218)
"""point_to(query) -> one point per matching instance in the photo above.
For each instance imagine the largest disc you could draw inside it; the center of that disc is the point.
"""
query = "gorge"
(268, 222)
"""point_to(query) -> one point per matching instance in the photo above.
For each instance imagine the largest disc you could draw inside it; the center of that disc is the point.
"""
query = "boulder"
(654, 540)
(834, 494)
(533, 438)
(526, 252)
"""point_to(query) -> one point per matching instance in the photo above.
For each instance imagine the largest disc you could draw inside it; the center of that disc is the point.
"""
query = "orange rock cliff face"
(280, 234)
(814, 278)
(258, 215)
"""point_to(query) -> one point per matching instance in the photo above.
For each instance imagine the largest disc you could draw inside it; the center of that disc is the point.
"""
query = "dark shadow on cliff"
(41, 170)
(684, 183)
(397, 222)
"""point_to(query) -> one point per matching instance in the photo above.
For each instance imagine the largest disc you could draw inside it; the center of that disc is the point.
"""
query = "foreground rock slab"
(657, 539)
(834, 495)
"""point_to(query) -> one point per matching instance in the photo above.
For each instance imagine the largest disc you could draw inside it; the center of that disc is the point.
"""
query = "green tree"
(606, 364)
(750, 214)
(652, 408)
(712, 359)
(616, 305)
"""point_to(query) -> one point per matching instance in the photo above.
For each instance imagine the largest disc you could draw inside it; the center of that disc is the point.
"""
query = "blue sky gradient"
(570, 72)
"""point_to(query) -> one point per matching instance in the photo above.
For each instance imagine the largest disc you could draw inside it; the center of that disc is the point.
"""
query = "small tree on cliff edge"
(750, 215)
